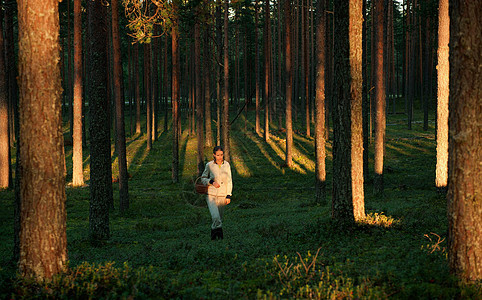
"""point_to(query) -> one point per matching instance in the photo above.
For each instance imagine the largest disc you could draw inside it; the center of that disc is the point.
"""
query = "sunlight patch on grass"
(263, 151)
(379, 219)
(238, 163)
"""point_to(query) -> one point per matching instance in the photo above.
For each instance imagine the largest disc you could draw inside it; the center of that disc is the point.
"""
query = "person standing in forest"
(217, 176)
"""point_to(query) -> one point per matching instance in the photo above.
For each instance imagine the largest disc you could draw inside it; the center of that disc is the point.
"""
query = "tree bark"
(225, 115)
(176, 73)
(5, 168)
(320, 171)
(348, 197)
(119, 107)
(207, 89)
(257, 121)
(199, 102)
(137, 88)
(465, 143)
(148, 93)
(77, 160)
(43, 214)
(289, 84)
(99, 127)
(443, 68)
(380, 97)
(267, 68)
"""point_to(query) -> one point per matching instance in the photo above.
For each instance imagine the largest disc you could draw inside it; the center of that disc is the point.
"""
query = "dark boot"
(220, 233)
(213, 234)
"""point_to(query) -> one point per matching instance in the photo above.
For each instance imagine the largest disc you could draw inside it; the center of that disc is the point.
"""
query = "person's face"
(219, 156)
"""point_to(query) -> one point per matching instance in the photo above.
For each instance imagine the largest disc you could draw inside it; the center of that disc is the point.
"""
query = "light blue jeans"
(216, 208)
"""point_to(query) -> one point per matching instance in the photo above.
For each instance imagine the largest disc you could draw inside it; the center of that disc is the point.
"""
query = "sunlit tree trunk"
(43, 214)
(5, 175)
(257, 122)
(176, 73)
(99, 127)
(119, 107)
(225, 115)
(77, 174)
(379, 97)
(267, 68)
(320, 171)
(465, 143)
(348, 196)
(442, 95)
(289, 84)
(366, 99)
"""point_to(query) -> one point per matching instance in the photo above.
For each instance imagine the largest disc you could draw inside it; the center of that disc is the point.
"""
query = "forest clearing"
(240, 149)
(277, 243)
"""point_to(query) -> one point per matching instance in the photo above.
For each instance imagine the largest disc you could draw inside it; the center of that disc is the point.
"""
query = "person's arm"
(205, 177)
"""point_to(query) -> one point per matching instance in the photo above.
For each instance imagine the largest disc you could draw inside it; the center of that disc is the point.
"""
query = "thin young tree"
(43, 214)
(225, 115)
(78, 173)
(289, 84)
(5, 169)
(176, 74)
(320, 171)
(465, 143)
(99, 125)
(119, 108)
(443, 67)
(380, 96)
(348, 193)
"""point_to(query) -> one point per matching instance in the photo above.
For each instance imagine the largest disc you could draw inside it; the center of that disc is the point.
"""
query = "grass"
(277, 244)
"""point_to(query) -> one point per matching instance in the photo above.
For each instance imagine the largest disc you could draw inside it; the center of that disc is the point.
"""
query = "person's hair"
(217, 148)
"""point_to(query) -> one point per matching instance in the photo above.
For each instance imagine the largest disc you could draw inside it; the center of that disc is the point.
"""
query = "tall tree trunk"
(380, 97)
(68, 75)
(77, 160)
(289, 84)
(411, 67)
(148, 93)
(43, 214)
(166, 82)
(366, 99)
(465, 143)
(176, 74)
(137, 88)
(305, 66)
(99, 127)
(225, 117)
(267, 68)
(257, 121)
(443, 68)
(199, 102)
(119, 107)
(348, 197)
(207, 88)
(320, 171)
(5, 169)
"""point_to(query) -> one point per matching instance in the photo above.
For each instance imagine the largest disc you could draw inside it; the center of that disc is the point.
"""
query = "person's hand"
(216, 185)
(228, 201)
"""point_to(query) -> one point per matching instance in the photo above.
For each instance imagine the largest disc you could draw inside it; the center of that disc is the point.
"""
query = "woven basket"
(199, 187)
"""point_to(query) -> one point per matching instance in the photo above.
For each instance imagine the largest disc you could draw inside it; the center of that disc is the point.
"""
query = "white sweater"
(220, 174)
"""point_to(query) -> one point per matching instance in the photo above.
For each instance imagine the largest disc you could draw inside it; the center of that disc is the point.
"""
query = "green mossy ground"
(277, 242)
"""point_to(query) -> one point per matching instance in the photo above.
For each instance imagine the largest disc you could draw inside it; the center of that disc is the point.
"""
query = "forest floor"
(277, 242)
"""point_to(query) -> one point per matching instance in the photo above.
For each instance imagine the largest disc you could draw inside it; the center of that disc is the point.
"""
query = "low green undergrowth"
(278, 244)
